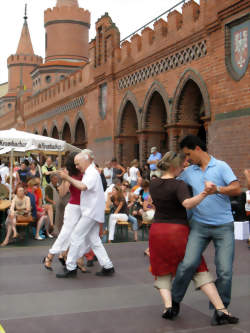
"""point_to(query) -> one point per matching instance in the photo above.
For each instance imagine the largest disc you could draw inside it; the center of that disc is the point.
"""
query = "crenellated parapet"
(61, 23)
(66, 13)
(28, 60)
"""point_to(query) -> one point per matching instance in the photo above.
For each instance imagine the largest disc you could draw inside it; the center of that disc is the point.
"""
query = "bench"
(145, 227)
(25, 225)
(123, 226)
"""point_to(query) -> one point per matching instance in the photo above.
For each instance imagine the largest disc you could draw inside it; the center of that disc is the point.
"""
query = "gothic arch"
(54, 133)
(79, 132)
(79, 117)
(190, 75)
(45, 131)
(129, 97)
(67, 130)
(159, 88)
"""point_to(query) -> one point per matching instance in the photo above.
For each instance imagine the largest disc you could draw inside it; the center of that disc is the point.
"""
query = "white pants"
(72, 215)
(112, 222)
(84, 236)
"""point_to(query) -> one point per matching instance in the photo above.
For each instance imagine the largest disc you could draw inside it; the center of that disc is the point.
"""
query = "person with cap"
(154, 157)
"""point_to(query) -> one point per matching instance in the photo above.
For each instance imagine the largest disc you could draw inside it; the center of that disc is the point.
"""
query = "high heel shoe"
(222, 318)
(49, 262)
(62, 260)
(168, 314)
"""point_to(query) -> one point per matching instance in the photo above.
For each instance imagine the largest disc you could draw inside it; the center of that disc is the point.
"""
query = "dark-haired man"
(211, 220)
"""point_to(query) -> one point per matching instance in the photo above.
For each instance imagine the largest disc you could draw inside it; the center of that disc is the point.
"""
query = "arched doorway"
(154, 124)
(128, 140)
(66, 134)
(80, 135)
(55, 133)
(190, 110)
(45, 132)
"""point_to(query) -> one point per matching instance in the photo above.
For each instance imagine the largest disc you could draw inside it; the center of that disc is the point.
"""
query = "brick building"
(189, 73)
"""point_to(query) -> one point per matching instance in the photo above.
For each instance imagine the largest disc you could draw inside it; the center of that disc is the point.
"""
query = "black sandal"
(222, 318)
(62, 261)
(48, 260)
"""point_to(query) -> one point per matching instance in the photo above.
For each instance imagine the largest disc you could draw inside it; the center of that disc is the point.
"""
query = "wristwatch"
(218, 189)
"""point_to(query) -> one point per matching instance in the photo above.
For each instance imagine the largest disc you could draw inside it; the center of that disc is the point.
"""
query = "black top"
(168, 195)
(124, 208)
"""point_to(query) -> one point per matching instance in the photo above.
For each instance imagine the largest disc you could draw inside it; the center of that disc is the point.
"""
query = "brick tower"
(67, 32)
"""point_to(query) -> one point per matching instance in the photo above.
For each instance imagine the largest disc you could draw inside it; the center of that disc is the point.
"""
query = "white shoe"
(39, 238)
(50, 236)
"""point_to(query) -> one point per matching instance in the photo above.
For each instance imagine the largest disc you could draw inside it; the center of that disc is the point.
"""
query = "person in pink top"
(72, 215)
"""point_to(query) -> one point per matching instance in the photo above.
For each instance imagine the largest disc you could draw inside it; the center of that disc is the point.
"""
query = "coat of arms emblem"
(238, 47)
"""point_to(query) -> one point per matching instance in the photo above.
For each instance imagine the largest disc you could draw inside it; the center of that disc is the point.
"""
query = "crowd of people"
(185, 195)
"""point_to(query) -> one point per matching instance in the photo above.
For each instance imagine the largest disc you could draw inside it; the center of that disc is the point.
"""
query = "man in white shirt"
(86, 232)
(108, 173)
(4, 172)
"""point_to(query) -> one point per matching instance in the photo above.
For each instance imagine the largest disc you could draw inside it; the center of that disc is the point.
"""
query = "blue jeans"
(200, 236)
(134, 222)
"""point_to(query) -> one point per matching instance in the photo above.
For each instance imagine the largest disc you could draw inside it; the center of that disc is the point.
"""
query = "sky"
(128, 15)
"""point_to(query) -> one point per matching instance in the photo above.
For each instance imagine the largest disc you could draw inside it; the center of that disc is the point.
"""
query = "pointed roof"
(25, 45)
(68, 3)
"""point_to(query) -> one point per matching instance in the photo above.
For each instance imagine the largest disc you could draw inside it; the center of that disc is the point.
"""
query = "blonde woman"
(169, 234)
(134, 173)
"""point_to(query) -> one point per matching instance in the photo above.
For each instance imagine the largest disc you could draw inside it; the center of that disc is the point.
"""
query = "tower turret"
(22, 63)
(67, 32)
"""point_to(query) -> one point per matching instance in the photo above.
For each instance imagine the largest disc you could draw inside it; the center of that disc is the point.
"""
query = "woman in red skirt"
(169, 234)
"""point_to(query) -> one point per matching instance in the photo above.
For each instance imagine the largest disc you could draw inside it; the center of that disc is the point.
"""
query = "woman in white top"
(20, 205)
(134, 173)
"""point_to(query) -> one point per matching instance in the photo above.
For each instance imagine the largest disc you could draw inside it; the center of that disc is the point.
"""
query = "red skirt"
(167, 246)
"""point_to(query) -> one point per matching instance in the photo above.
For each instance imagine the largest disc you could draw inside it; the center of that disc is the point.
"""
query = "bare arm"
(194, 201)
(77, 183)
(247, 175)
(233, 189)
(119, 207)
(63, 188)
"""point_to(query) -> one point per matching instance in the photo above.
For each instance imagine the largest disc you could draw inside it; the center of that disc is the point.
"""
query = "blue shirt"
(153, 157)
(215, 209)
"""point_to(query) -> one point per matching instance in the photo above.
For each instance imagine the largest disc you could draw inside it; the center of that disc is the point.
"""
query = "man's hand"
(63, 174)
(210, 188)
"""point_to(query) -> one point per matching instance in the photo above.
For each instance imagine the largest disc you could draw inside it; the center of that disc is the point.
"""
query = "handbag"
(24, 218)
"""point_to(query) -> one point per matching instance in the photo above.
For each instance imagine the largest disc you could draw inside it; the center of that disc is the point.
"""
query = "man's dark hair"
(191, 142)
(114, 159)
(26, 162)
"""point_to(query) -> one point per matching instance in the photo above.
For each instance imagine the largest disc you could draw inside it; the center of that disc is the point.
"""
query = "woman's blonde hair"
(135, 162)
(170, 159)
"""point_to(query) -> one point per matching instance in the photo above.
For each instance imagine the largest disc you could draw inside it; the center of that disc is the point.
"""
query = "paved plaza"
(33, 300)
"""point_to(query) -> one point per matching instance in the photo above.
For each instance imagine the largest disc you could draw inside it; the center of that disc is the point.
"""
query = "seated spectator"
(22, 173)
(4, 190)
(137, 188)
(47, 169)
(4, 172)
(52, 196)
(117, 182)
(34, 171)
(126, 175)
(117, 203)
(20, 205)
(130, 201)
(42, 213)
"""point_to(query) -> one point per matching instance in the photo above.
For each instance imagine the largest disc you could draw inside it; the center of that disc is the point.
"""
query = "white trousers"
(85, 236)
(112, 222)
(72, 215)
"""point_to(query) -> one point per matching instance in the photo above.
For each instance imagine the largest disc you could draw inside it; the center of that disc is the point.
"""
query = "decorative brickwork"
(196, 51)
(74, 104)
